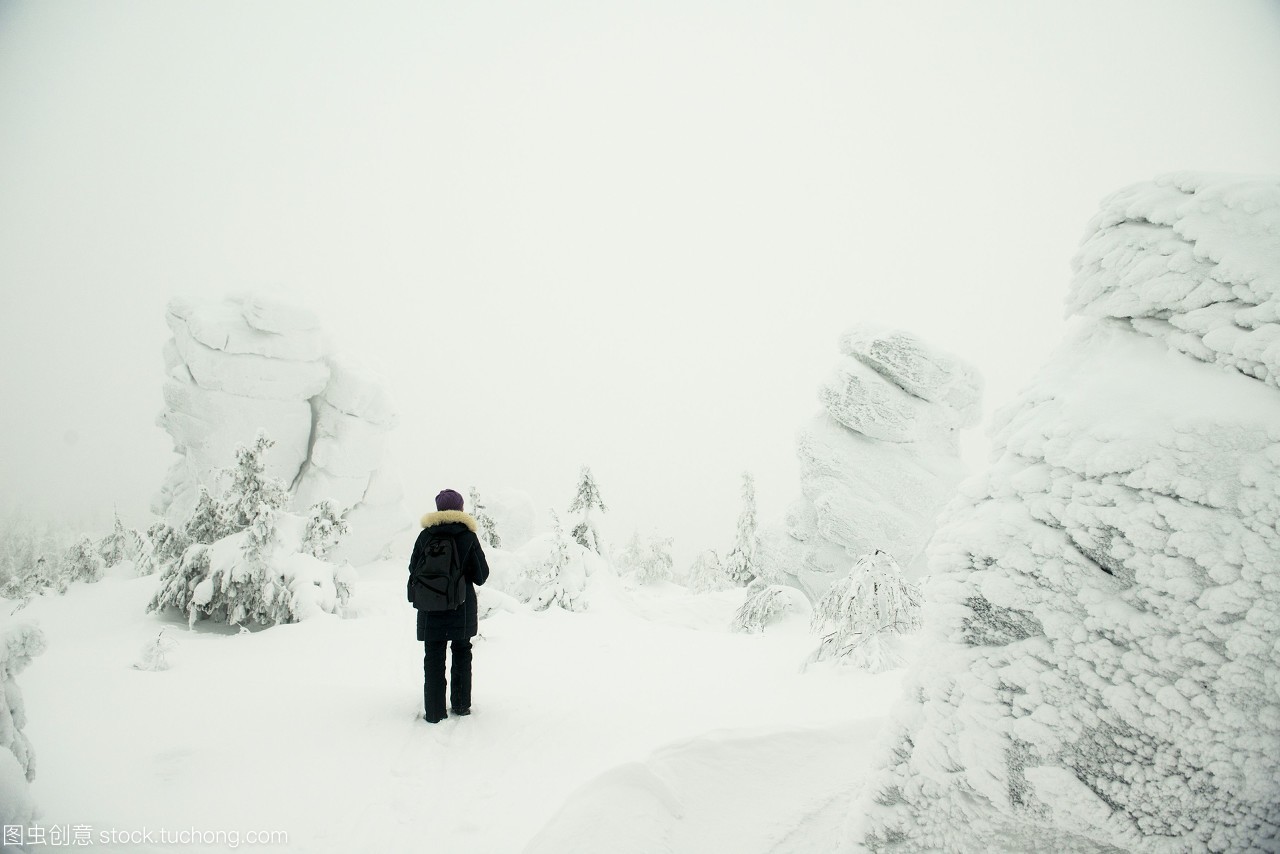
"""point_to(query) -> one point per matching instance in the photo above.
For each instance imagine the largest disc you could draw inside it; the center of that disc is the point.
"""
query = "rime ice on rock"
(238, 365)
(1102, 612)
(878, 463)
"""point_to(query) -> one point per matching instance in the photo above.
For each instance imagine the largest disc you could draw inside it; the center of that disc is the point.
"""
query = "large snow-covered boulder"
(243, 364)
(1100, 669)
(878, 463)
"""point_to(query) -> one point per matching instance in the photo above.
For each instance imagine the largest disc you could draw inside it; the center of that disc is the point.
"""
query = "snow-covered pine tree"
(114, 546)
(627, 558)
(83, 563)
(207, 523)
(740, 566)
(258, 571)
(862, 615)
(707, 574)
(547, 574)
(488, 527)
(177, 585)
(326, 526)
(587, 499)
(167, 545)
(654, 562)
(251, 489)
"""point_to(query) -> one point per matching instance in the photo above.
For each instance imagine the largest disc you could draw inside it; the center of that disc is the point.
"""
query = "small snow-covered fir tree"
(861, 616)
(547, 575)
(83, 563)
(251, 489)
(740, 566)
(587, 499)
(627, 558)
(488, 527)
(326, 526)
(167, 545)
(207, 523)
(115, 545)
(707, 573)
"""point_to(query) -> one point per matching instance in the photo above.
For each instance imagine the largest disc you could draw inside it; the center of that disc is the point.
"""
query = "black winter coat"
(462, 622)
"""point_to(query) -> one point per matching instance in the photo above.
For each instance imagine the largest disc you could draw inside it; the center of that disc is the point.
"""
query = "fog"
(617, 234)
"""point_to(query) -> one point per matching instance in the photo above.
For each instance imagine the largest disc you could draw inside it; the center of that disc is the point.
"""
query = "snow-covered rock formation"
(238, 365)
(878, 463)
(1102, 612)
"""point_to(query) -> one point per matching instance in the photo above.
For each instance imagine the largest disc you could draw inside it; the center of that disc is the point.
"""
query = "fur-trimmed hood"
(441, 517)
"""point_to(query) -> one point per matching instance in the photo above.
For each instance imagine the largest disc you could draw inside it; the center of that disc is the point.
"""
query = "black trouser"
(434, 681)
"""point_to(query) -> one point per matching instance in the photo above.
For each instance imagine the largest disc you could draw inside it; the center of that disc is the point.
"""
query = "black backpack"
(438, 584)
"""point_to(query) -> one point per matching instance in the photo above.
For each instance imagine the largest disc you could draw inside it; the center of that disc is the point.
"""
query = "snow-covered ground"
(643, 714)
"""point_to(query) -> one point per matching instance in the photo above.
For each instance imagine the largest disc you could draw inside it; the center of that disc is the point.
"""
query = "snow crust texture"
(878, 463)
(238, 365)
(1102, 612)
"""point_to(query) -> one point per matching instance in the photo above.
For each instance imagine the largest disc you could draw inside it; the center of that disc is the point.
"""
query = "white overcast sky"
(622, 234)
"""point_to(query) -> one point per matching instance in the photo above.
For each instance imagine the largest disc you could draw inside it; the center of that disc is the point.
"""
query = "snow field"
(314, 728)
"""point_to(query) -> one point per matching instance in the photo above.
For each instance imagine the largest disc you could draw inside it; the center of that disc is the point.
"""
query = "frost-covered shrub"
(18, 646)
(325, 528)
(154, 656)
(766, 604)
(862, 616)
(265, 570)
(1098, 669)
(83, 563)
(707, 574)
(488, 527)
(647, 560)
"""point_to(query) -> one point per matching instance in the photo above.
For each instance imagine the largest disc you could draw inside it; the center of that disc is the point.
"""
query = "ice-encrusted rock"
(1193, 260)
(878, 463)
(241, 364)
(919, 369)
(1102, 621)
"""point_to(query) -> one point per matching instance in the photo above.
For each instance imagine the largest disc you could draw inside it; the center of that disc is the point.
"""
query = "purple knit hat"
(449, 500)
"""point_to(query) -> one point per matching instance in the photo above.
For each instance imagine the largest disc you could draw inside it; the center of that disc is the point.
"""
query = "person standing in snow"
(458, 625)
